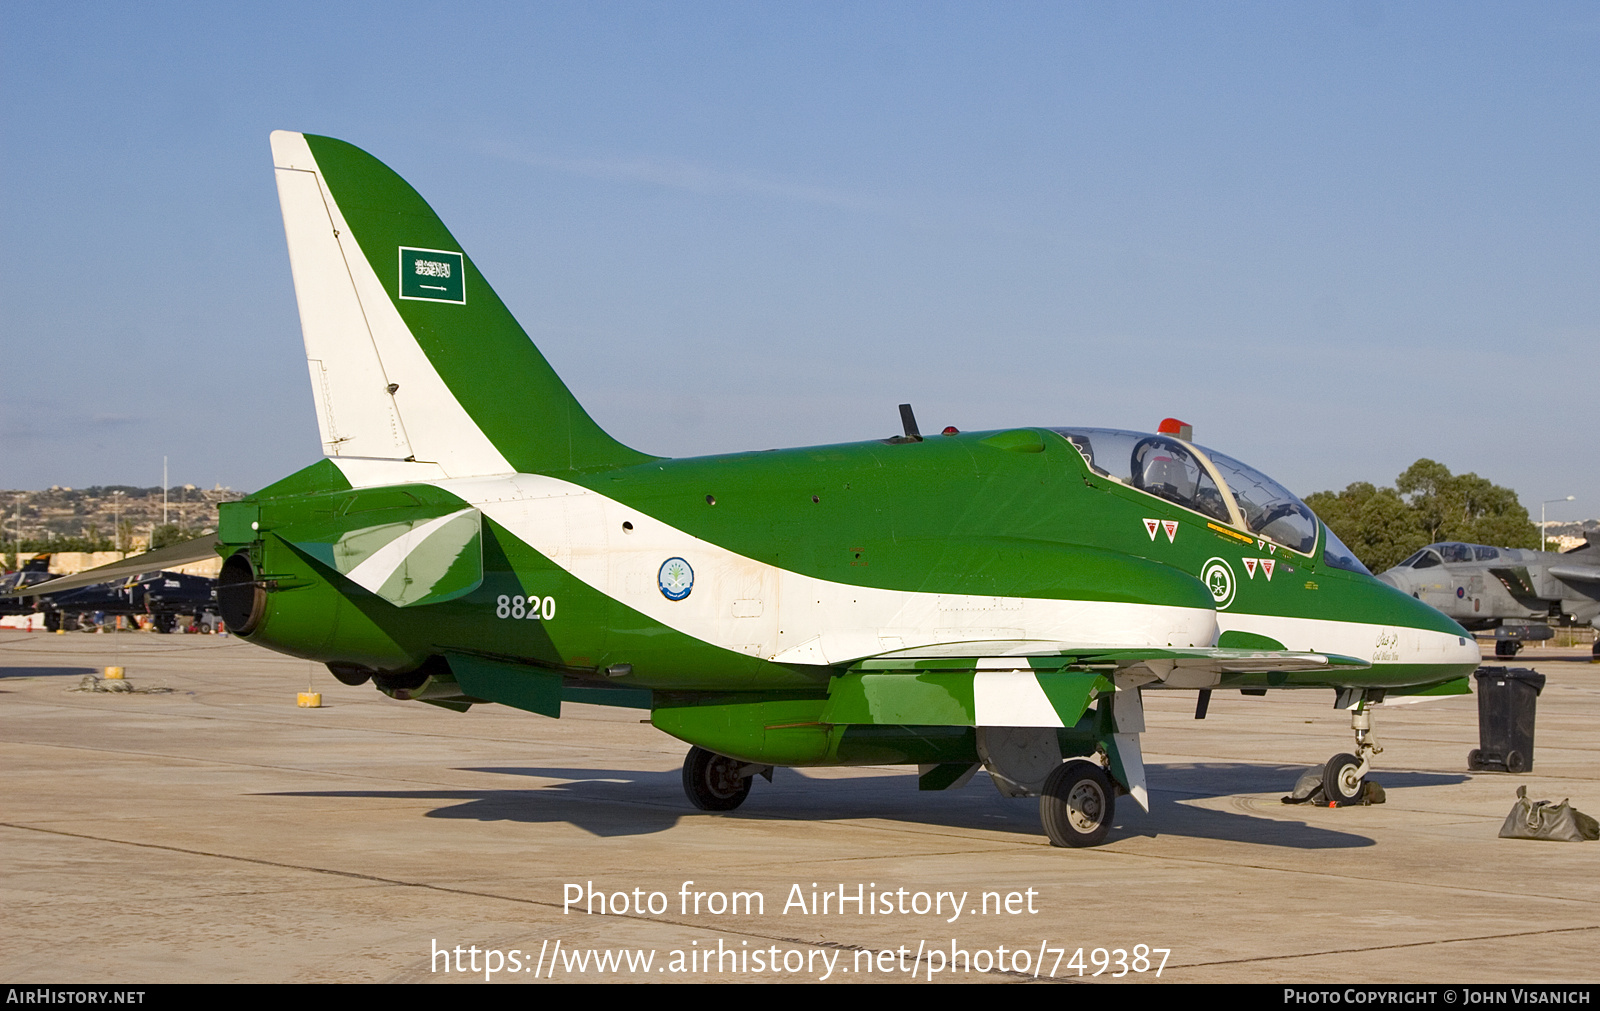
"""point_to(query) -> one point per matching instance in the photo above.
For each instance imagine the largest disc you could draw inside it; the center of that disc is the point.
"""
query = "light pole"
(1542, 538)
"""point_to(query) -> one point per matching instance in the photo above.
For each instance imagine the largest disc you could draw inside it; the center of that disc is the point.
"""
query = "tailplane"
(412, 355)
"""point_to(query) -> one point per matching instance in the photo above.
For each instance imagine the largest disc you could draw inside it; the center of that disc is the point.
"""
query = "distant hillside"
(1576, 528)
(1570, 535)
(105, 517)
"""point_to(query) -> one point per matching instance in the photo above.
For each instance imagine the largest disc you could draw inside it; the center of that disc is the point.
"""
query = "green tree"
(1427, 504)
(165, 534)
(1375, 523)
(1465, 507)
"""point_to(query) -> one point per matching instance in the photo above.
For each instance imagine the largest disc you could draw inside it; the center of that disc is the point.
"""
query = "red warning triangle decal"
(1171, 527)
(1250, 567)
(1266, 568)
(1151, 526)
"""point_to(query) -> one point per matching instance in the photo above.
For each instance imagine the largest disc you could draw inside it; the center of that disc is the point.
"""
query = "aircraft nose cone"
(1384, 577)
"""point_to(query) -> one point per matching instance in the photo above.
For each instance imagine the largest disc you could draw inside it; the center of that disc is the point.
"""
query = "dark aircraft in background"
(1521, 594)
(162, 595)
(34, 571)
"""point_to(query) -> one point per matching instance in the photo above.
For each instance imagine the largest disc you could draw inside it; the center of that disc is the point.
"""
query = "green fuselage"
(1009, 515)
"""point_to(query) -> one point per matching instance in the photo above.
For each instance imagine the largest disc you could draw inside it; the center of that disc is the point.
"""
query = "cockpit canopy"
(1450, 551)
(1207, 482)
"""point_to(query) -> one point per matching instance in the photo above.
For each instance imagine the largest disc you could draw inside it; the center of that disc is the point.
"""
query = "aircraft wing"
(195, 550)
(1155, 659)
(1040, 689)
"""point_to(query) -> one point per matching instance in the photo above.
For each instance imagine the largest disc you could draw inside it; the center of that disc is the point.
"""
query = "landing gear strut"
(1343, 776)
(716, 782)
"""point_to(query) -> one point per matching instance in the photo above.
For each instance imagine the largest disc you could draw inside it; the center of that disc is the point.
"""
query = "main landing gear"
(1076, 804)
(716, 782)
(1343, 778)
(1507, 647)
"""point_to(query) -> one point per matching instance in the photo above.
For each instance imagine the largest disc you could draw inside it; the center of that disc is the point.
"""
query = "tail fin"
(412, 355)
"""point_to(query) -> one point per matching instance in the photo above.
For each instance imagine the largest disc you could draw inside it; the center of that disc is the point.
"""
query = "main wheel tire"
(1474, 760)
(1515, 762)
(1507, 647)
(712, 781)
(1076, 805)
(1340, 784)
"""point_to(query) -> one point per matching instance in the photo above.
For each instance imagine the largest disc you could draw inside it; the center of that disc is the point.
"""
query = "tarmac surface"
(217, 833)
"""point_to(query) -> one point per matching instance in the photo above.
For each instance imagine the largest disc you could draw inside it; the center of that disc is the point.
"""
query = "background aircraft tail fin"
(412, 355)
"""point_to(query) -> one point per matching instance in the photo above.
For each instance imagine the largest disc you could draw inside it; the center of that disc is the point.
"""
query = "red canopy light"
(1182, 429)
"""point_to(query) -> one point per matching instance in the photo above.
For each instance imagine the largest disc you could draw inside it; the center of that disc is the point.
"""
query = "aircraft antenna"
(909, 420)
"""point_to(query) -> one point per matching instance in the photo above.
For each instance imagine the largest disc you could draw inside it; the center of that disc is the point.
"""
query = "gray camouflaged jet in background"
(1520, 594)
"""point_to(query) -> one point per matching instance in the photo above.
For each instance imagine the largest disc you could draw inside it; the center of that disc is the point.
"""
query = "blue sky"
(1335, 238)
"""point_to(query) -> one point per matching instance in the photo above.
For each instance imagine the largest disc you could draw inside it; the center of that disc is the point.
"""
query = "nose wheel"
(1344, 777)
(1342, 780)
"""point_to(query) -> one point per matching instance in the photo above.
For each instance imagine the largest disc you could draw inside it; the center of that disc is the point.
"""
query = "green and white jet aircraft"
(981, 598)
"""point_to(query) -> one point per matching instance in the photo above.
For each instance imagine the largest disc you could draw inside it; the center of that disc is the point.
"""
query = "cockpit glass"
(1425, 560)
(1269, 509)
(1484, 553)
(1337, 555)
(1454, 552)
(1157, 464)
(1106, 450)
(1167, 468)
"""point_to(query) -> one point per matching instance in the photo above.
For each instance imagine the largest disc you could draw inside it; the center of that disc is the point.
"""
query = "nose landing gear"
(1344, 775)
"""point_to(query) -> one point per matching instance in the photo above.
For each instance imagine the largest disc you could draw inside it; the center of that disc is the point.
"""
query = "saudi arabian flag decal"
(432, 275)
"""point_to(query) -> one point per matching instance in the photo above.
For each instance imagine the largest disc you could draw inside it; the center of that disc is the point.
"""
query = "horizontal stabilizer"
(197, 550)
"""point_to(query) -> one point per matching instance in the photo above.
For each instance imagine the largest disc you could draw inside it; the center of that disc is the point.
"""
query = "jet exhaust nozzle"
(241, 599)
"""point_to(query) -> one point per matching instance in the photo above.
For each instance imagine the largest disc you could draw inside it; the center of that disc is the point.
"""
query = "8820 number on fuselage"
(515, 607)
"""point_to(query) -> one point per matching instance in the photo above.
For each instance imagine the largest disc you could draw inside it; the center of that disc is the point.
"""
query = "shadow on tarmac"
(619, 802)
(45, 672)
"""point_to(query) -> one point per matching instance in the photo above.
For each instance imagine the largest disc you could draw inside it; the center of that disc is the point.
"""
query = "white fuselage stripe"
(752, 607)
(1377, 644)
